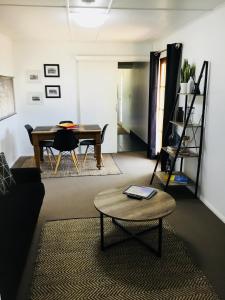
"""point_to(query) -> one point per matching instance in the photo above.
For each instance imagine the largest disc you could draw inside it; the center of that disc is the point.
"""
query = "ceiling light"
(89, 17)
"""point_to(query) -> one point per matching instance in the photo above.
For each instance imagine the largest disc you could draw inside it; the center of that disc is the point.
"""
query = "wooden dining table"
(41, 133)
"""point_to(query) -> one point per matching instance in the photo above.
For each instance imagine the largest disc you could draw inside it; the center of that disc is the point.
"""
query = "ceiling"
(128, 20)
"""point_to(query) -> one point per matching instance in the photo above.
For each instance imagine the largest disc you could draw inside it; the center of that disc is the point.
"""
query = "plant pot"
(183, 87)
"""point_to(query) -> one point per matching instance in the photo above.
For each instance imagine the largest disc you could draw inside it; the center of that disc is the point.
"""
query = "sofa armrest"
(26, 175)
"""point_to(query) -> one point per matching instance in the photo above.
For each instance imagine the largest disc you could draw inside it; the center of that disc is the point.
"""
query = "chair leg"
(74, 161)
(57, 163)
(76, 157)
(50, 149)
(85, 155)
(49, 157)
(102, 161)
(41, 154)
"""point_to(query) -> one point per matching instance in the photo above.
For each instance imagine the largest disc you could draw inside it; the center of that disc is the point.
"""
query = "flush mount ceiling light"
(90, 17)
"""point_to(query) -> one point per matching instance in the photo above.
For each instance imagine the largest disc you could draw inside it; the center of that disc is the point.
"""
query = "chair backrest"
(103, 133)
(29, 129)
(65, 140)
(61, 122)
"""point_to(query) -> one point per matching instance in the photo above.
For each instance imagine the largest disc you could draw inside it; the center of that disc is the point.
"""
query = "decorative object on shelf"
(196, 89)
(33, 76)
(180, 114)
(173, 139)
(186, 139)
(35, 98)
(168, 165)
(191, 81)
(52, 91)
(51, 70)
(185, 76)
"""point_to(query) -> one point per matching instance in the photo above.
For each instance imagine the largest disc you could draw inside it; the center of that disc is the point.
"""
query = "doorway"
(132, 106)
(160, 103)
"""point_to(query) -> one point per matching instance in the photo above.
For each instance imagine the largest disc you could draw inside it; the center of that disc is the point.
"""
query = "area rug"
(71, 266)
(67, 169)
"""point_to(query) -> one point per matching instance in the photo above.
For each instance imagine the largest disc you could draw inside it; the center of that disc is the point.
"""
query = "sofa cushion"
(5, 173)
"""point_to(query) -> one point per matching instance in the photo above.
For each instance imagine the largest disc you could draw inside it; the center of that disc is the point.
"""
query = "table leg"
(98, 155)
(160, 238)
(102, 231)
(36, 151)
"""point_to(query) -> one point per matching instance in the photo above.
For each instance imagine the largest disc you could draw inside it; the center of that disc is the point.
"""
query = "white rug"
(67, 168)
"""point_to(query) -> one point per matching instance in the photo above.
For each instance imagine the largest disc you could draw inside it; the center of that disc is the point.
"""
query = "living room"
(34, 33)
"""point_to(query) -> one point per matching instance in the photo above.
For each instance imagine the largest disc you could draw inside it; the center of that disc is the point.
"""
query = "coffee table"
(114, 204)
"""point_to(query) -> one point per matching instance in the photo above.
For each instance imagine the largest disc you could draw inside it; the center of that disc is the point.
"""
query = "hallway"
(128, 141)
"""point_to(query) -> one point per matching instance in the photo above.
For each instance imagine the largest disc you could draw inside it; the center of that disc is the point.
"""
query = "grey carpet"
(70, 266)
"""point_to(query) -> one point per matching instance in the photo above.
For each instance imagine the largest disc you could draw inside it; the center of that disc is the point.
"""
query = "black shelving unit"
(179, 151)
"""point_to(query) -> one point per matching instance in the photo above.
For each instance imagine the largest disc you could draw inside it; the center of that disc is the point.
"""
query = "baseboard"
(213, 209)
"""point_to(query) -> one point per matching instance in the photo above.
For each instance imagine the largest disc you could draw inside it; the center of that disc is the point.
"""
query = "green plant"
(192, 71)
(185, 71)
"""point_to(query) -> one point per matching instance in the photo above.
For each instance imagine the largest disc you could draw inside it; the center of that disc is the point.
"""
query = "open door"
(97, 85)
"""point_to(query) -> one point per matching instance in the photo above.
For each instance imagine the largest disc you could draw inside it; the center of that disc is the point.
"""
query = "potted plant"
(185, 76)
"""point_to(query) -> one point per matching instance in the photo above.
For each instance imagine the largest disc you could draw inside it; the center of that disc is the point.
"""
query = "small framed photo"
(52, 91)
(35, 98)
(33, 76)
(51, 70)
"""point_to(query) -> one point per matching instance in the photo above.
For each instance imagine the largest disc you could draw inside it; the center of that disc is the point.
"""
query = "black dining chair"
(65, 141)
(44, 145)
(92, 143)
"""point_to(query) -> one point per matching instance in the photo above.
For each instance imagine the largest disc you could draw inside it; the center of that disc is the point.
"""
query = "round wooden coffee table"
(114, 204)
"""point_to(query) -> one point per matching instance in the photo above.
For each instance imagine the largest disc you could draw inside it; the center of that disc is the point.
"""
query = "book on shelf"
(177, 178)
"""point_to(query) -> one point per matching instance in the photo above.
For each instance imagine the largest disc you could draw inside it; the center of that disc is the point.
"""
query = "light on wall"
(89, 17)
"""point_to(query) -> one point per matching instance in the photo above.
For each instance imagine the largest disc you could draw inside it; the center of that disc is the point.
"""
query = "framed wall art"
(33, 76)
(52, 91)
(35, 98)
(51, 70)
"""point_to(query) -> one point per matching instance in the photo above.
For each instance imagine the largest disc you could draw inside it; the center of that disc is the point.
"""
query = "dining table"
(88, 131)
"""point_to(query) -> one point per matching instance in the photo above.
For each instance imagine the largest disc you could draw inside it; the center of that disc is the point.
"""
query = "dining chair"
(66, 141)
(44, 145)
(61, 122)
(92, 143)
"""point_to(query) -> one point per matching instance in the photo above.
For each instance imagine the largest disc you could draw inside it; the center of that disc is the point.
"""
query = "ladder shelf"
(181, 151)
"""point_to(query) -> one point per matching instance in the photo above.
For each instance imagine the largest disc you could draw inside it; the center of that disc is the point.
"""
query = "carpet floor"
(67, 169)
(70, 265)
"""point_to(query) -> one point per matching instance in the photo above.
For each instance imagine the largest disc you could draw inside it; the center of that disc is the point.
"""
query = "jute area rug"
(70, 266)
(67, 169)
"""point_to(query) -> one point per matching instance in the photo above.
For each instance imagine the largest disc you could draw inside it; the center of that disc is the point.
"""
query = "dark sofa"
(19, 210)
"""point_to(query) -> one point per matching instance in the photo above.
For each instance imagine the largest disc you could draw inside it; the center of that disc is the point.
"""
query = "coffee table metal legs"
(131, 235)
(102, 231)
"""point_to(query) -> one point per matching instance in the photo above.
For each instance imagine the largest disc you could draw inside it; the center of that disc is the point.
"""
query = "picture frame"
(35, 98)
(33, 76)
(51, 70)
(52, 91)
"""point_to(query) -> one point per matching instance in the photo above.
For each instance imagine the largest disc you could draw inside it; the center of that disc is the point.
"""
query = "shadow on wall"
(8, 146)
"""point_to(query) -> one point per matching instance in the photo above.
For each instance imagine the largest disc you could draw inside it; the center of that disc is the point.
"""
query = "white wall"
(204, 40)
(97, 97)
(8, 127)
(32, 56)
(135, 90)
